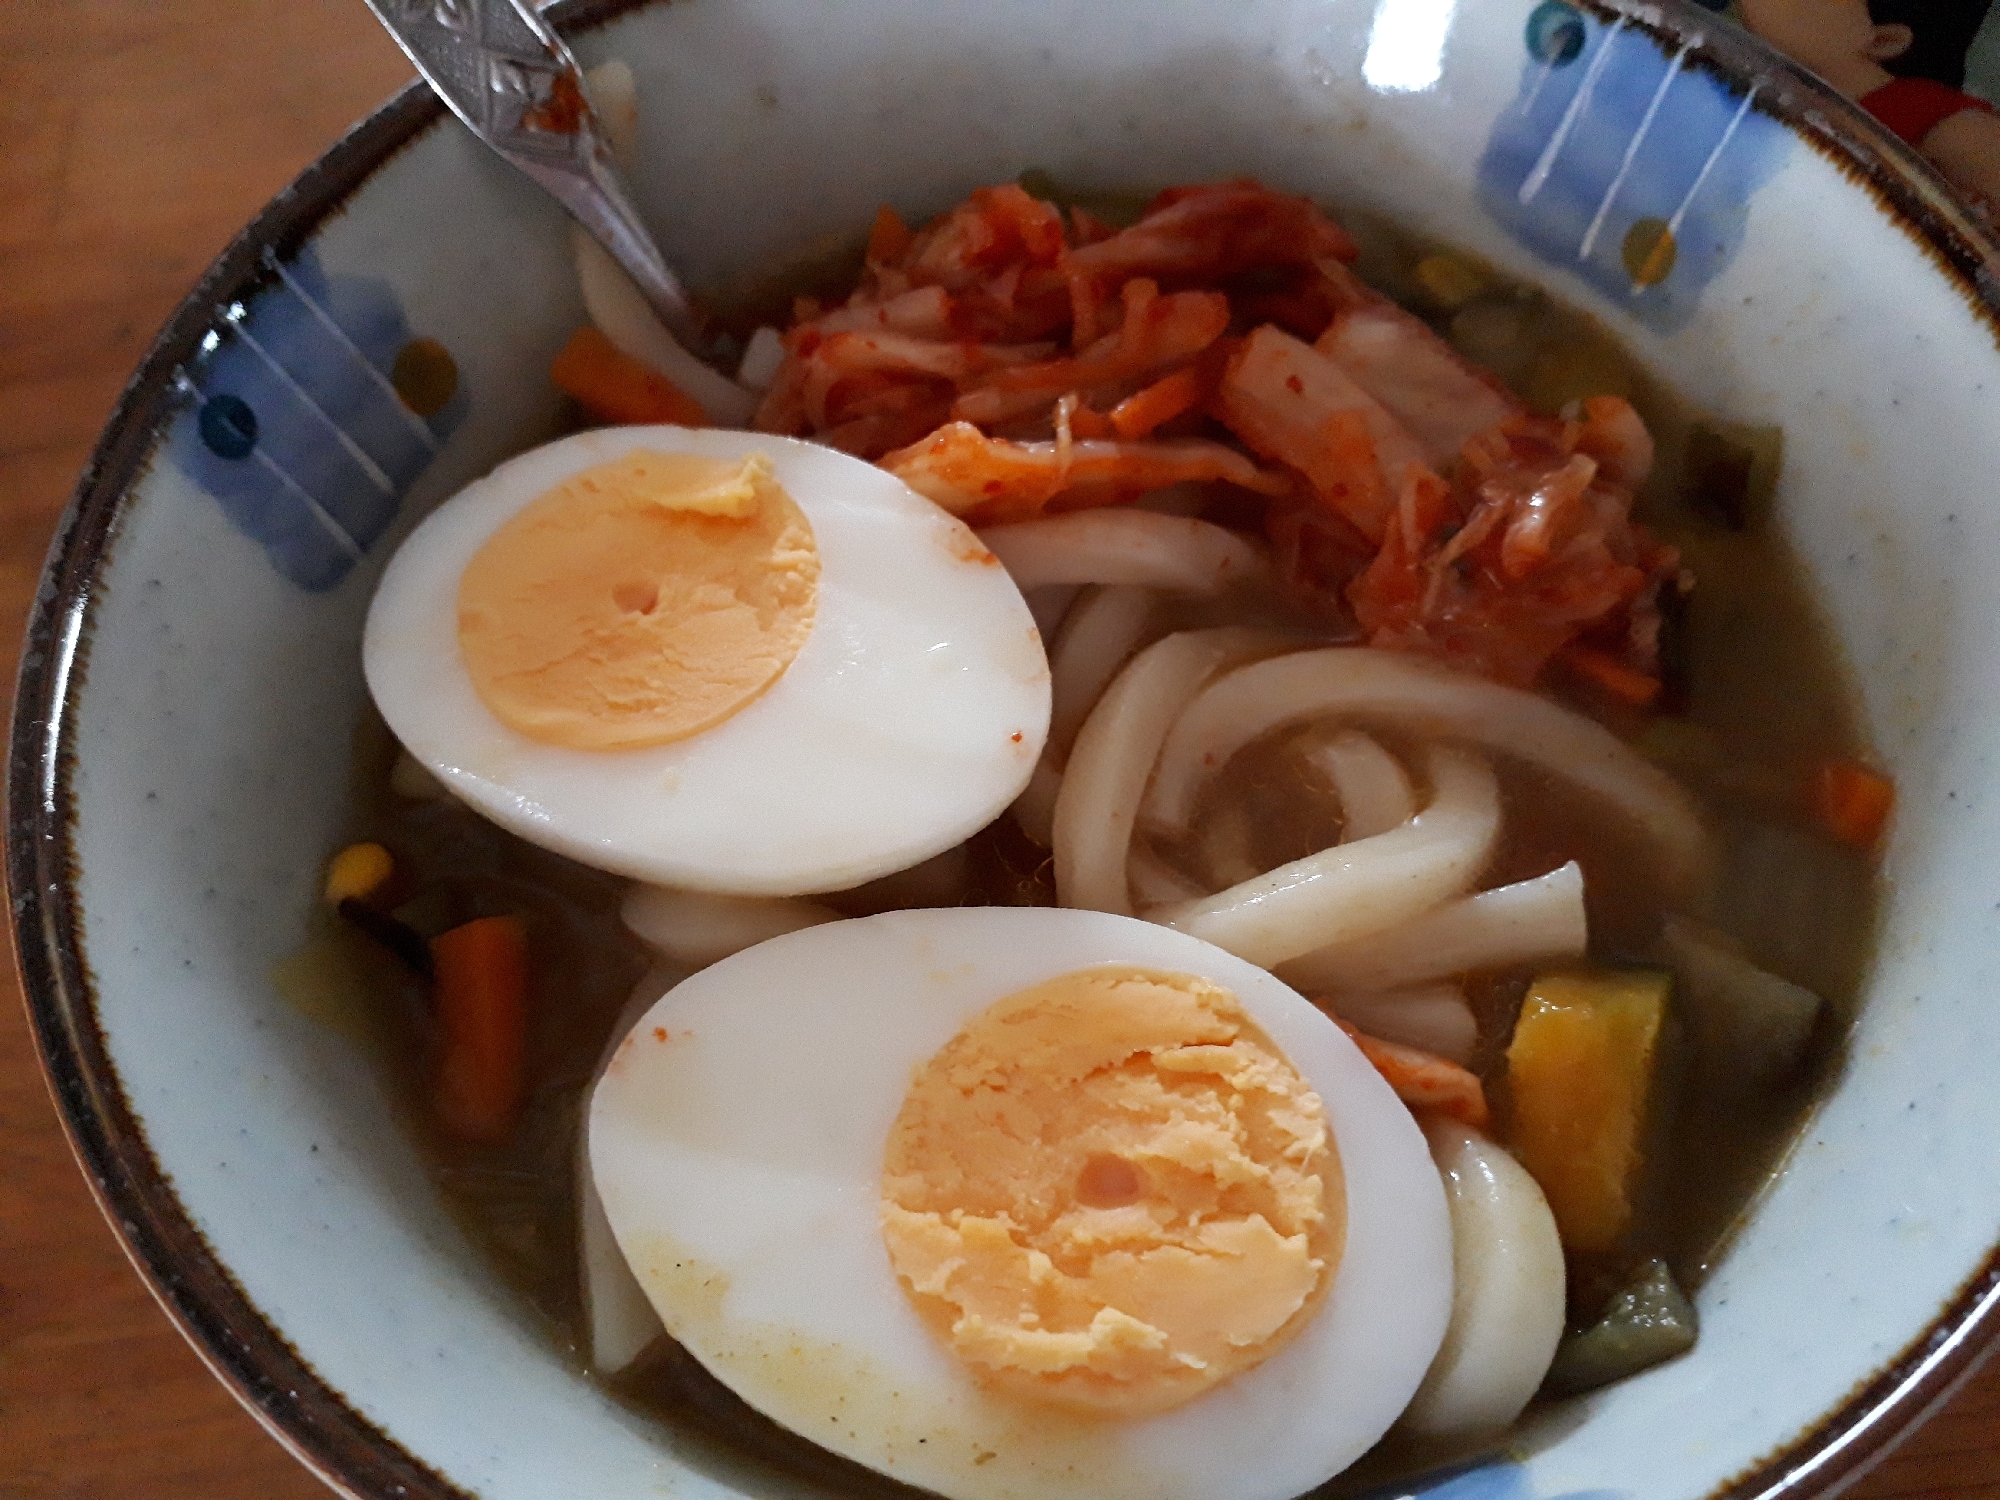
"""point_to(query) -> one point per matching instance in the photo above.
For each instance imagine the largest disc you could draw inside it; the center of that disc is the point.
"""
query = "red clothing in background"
(1914, 107)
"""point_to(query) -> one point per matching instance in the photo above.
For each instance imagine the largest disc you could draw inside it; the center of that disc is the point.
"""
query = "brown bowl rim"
(247, 1353)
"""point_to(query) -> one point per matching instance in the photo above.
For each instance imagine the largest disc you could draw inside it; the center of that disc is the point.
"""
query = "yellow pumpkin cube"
(1581, 1070)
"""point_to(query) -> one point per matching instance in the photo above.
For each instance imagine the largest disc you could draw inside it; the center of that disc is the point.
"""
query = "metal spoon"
(515, 85)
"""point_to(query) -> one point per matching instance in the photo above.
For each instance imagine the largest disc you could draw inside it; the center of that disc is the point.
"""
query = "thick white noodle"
(1097, 802)
(1354, 890)
(1099, 635)
(1154, 882)
(614, 98)
(1226, 853)
(1035, 809)
(1424, 698)
(763, 357)
(697, 929)
(613, 302)
(1101, 628)
(1123, 545)
(1511, 924)
(1434, 1017)
(1507, 1295)
(1374, 790)
(621, 1318)
(623, 315)
(619, 1315)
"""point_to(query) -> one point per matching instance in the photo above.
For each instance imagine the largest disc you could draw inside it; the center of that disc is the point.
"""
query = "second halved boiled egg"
(1011, 1203)
(721, 661)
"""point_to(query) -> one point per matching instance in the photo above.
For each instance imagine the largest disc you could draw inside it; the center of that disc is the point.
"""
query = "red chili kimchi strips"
(1529, 546)
(1011, 359)
(1419, 379)
(987, 480)
(1292, 404)
(1111, 312)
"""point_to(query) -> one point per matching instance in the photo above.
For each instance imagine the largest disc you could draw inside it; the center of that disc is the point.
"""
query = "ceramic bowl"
(376, 339)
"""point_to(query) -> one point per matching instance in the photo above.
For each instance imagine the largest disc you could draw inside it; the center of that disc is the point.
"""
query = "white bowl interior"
(213, 729)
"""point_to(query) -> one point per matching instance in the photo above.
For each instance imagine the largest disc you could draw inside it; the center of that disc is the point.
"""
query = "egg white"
(910, 718)
(736, 1140)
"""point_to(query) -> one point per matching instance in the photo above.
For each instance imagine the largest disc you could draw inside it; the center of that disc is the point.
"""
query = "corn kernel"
(358, 871)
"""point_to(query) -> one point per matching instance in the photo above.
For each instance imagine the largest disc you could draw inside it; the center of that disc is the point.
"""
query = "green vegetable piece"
(1646, 1324)
(1751, 1029)
(1732, 471)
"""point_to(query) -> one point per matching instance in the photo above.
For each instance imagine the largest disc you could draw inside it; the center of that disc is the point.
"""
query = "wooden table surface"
(135, 137)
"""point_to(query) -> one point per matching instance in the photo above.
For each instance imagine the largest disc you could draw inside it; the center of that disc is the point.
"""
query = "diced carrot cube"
(617, 389)
(481, 997)
(1853, 801)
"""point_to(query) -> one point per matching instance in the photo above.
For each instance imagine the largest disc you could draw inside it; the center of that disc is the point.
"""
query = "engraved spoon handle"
(512, 81)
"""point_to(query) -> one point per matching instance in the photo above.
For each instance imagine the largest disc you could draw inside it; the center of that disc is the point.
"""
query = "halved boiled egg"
(721, 661)
(1010, 1202)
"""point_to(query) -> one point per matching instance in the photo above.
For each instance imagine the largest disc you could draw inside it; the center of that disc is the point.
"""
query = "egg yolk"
(640, 601)
(1111, 1192)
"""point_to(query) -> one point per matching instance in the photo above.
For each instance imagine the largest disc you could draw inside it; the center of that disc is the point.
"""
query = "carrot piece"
(1853, 802)
(890, 238)
(1604, 671)
(616, 388)
(986, 481)
(1086, 308)
(1086, 423)
(1424, 1080)
(1139, 413)
(481, 995)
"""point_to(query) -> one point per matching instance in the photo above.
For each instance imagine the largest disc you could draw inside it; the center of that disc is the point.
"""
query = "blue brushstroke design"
(1477, 1479)
(289, 419)
(1619, 130)
(1490, 1481)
